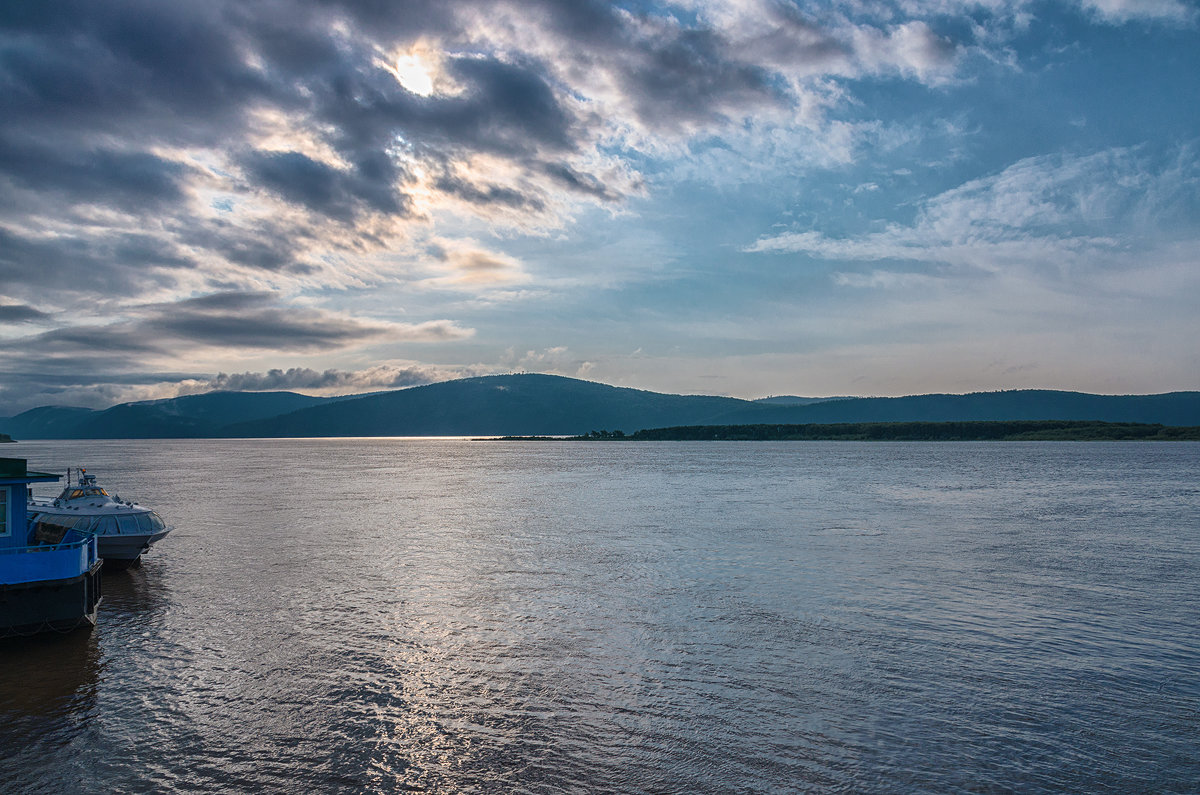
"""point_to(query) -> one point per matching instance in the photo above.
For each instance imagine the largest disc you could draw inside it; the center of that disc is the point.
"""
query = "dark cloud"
(19, 313)
(585, 21)
(512, 106)
(398, 18)
(95, 98)
(579, 182)
(277, 329)
(508, 109)
(128, 179)
(222, 320)
(271, 245)
(101, 105)
(98, 365)
(255, 320)
(693, 78)
(488, 194)
(221, 302)
(109, 68)
(81, 365)
(100, 264)
(101, 341)
(321, 188)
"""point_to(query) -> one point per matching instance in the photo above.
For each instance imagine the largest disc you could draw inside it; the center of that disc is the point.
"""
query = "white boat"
(123, 529)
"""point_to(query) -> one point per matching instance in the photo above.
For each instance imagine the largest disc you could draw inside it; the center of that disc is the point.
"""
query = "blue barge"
(43, 586)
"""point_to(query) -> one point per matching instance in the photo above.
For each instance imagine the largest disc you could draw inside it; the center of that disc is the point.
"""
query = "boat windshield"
(75, 493)
(50, 529)
(150, 522)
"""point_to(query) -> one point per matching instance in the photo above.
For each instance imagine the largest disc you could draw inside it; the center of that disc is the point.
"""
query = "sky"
(745, 198)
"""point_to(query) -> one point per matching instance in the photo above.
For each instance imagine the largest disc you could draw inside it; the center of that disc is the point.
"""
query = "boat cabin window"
(149, 523)
(127, 524)
(51, 529)
(91, 491)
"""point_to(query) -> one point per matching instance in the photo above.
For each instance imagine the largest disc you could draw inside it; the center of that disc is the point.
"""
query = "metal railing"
(48, 561)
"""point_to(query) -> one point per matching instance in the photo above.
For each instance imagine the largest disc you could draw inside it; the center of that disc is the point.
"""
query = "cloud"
(330, 380)
(281, 156)
(256, 320)
(210, 326)
(557, 360)
(20, 391)
(127, 179)
(1119, 11)
(488, 194)
(120, 262)
(325, 189)
(911, 49)
(1022, 13)
(183, 148)
(1049, 213)
(466, 262)
(20, 313)
(98, 365)
(881, 279)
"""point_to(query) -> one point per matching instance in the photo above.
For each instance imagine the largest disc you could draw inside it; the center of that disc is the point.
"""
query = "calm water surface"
(454, 616)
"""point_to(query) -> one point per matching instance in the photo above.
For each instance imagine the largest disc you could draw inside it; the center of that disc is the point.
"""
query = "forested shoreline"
(1006, 431)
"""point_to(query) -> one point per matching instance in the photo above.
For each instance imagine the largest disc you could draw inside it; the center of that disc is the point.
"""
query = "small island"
(4, 437)
(1000, 431)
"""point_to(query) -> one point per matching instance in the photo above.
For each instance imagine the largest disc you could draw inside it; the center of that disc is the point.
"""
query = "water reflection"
(48, 699)
(138, 593)
(48, 676)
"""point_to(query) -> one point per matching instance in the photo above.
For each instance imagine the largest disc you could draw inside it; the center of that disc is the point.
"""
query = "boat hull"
(123, 551)
(28, 608)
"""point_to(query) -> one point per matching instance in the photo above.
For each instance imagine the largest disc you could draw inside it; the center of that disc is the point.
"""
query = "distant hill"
(45, 422)
(793, 400)
(495, 405)
(519, 405)
(1016, 430)
(190, 415)
(171, 418)
(1172, 408)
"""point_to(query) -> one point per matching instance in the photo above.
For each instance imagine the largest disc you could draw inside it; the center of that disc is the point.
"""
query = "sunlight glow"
(414, 72)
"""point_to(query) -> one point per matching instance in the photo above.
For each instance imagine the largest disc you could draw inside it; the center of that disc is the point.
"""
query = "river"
(447, 615)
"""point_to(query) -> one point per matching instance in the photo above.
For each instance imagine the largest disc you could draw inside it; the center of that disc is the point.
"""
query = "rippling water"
(455, 616)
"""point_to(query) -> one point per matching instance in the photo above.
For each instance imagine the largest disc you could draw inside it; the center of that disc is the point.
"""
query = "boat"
(123, 529)
(45, 585)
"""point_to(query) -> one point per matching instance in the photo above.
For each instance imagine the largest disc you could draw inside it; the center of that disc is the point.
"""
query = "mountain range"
(528, 404)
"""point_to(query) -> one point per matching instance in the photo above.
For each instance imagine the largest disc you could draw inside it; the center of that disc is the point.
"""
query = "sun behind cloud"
(417, 69)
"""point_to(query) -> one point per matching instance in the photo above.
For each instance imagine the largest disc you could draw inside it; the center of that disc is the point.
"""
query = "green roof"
(16, 468)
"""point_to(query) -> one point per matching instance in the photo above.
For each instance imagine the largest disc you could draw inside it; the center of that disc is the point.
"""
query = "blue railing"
(48, 561)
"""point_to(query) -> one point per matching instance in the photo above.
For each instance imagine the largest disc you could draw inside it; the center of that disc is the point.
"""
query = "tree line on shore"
(1008, 431)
